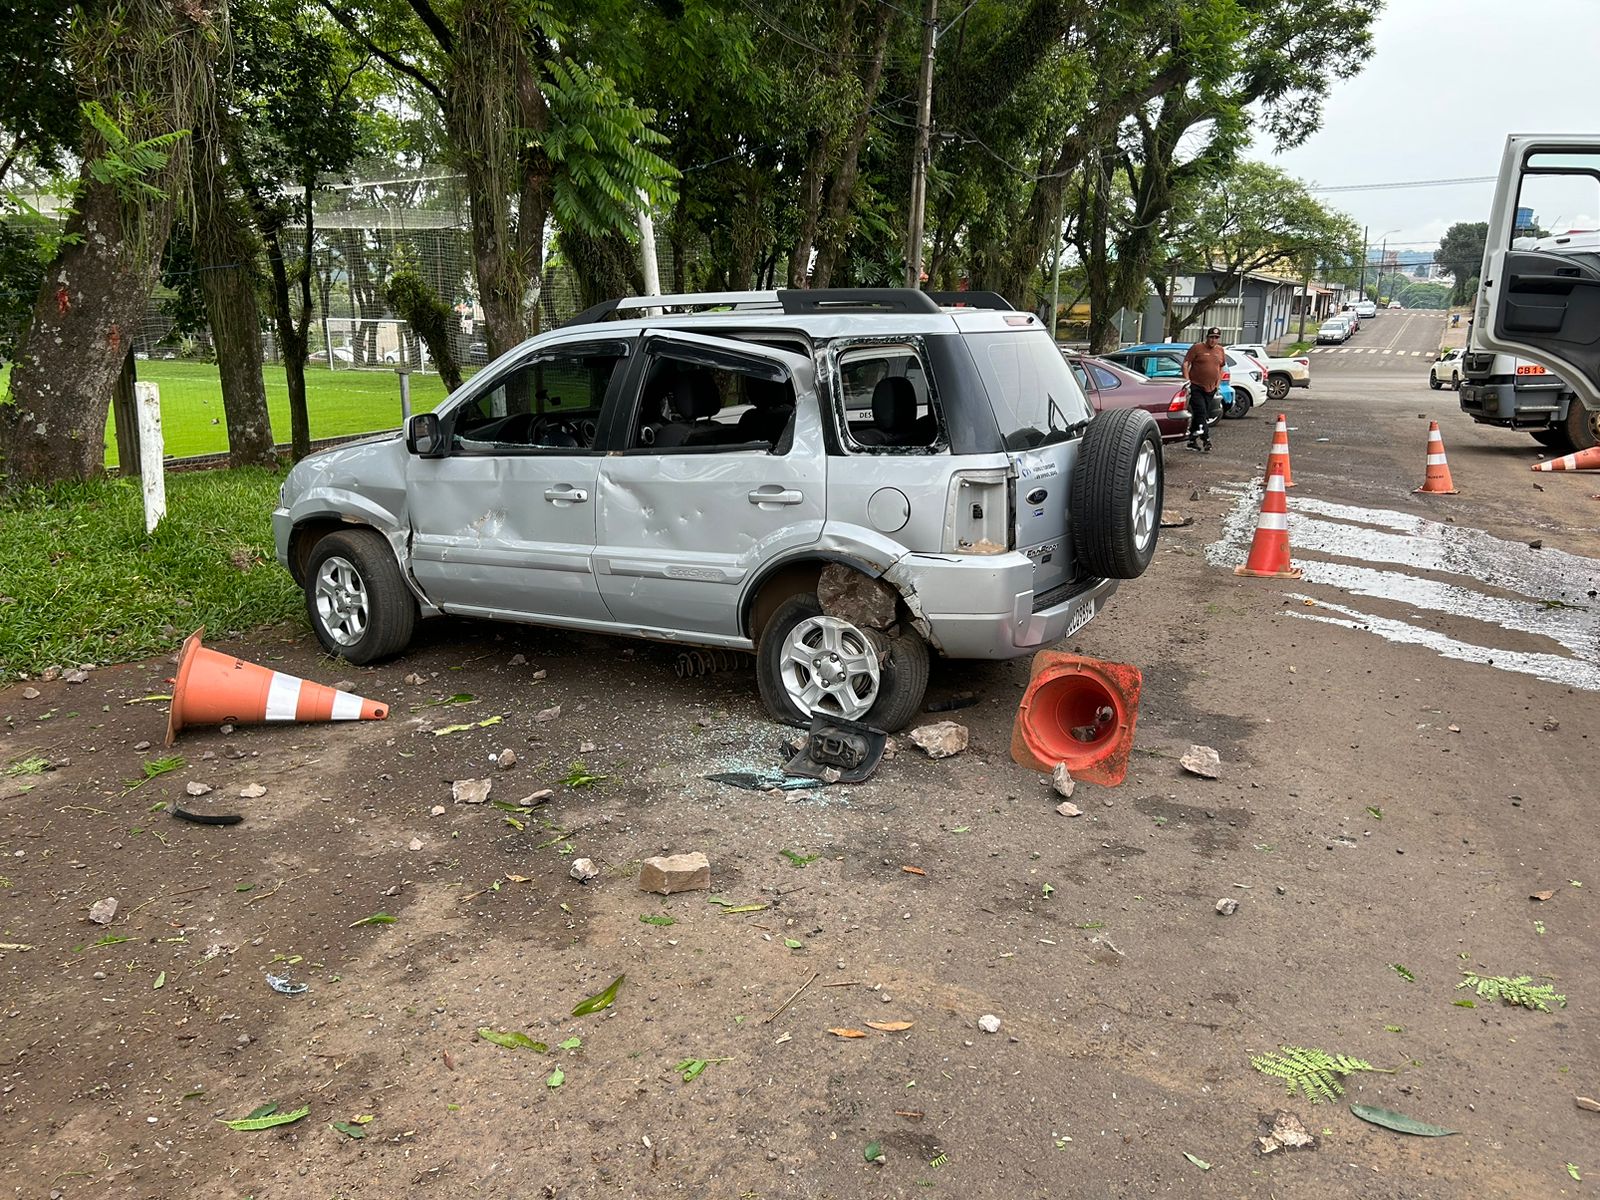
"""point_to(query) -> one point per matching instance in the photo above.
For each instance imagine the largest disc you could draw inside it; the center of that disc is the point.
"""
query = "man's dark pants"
(1204, 408)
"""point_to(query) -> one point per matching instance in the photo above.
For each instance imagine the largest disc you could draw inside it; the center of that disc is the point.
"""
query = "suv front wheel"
(809, 663)
(360, 607)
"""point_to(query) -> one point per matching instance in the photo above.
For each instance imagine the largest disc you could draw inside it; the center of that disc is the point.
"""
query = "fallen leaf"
(913, 870)
(1199, 1162)
(659, 920)
(1542, 896)
(557, 1078)
(599, 1000)
(572, 1043)
(1398, 1122)
(848, 1033)
(161, 981)
(512, 1041)
(1572, 1169)
(268, 1119)
(349, 1129)
(873, 1152)
(1585, 1103)
(374, 919)
(890, 1026)
(793, 945)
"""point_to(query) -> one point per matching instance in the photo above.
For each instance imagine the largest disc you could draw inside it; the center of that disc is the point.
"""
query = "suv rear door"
(1541, 294)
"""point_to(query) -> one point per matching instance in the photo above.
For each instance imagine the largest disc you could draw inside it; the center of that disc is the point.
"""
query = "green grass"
(338, 402)
(83, 583)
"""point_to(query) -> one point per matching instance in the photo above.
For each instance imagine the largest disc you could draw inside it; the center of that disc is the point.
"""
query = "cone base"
(1288, 573)
(1425, 490)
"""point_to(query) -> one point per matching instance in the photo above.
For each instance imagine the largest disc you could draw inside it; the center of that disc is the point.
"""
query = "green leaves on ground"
(32, 765)
(374, 919)
(1315, 1073)
(599, 1000)
(267, 1117)
(1572, 1170)
(1519, 991)
(511, 1041)
(731, 906)
(690, 1068)
(154, 768)
(557, 1078)
(793, 944)
(572, 1043)
(579, 776)
(799, 860)
(1399, 1122)
(1199, 1162)
(1402, 972)
(659, 920)
(352, 1128)
(483, 724)
(873, 1152)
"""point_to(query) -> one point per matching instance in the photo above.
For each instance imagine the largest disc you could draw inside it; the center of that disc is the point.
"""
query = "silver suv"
(839, 480)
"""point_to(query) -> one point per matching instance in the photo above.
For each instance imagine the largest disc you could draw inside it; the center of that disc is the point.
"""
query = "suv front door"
(503, 523)
(716, 467)
(1541, 294)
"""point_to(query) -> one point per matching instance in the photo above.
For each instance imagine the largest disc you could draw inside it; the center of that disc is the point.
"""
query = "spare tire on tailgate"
(1114, 506)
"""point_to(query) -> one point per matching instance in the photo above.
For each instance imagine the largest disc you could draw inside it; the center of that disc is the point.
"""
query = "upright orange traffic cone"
(1269, 551)
(1437, 479)
(1583, 460)
(1280, 450)
(218, 689)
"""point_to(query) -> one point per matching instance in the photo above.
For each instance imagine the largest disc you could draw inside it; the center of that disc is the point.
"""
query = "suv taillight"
(980, 510)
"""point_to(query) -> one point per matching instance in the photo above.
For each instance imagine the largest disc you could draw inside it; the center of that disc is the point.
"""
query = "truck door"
(1540, 297)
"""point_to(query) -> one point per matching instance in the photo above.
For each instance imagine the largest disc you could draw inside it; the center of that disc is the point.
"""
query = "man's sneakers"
(1191, 444)
(1205, 446)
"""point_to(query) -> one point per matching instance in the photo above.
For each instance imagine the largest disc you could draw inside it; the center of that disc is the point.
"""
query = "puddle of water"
(1473, 556)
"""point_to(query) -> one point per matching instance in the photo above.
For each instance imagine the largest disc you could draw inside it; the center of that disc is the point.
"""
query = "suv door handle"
(566, 495)
(772, 494)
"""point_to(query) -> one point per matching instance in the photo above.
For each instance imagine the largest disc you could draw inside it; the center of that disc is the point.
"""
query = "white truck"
(1539, 304)
(1282, 373)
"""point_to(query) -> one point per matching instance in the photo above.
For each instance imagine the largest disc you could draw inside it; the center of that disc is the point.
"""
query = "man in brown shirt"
(1203, 367)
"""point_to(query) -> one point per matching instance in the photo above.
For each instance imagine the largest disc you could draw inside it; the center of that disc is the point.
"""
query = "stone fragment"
(671, 873)
(414, 679)
(438, 810)
(989, 1023)
(547, 714)
(195, 788)
(941, 739)
(583, 870)
(1067, 809)
(414, 845)
(1227, 906)
(518, 660)
(75, 677)
(345, 685)
(32, 693)
(470, 791)
(851, 596)
(50, 674)
(507, 759)
(252, 791)
(1202, 761)
(1061, 779)
(102, 911)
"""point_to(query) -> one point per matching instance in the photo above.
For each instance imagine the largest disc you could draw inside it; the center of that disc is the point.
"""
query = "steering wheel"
(544, 427)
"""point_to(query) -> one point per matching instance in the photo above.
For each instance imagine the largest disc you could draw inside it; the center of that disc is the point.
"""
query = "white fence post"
(148, 401)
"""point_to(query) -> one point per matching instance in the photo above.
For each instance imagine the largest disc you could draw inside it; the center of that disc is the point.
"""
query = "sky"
(1443, 88)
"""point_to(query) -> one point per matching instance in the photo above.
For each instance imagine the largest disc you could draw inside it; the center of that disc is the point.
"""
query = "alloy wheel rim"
(829, 666)
(341, 599)
(1146, 488)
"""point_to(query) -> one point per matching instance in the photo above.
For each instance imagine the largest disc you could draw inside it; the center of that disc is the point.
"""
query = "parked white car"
(1282, 373)
(1366, 308)
(1249, 379)
(1447, 371)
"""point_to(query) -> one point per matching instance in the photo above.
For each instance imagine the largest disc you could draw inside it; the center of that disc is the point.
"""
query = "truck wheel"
(809, 663)
(1455, 381)
(1433, 381)
(1582, 426)
(360, 607)
(1277, 387)
(1114, 506)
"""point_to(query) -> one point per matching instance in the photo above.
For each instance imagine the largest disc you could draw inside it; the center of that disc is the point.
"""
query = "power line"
(1412, 183)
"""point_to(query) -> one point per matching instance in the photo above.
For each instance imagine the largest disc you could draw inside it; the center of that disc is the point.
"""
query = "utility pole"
(1361, 288)
(919, 165)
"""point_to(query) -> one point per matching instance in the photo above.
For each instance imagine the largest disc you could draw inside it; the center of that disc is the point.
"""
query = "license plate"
(1079, 619)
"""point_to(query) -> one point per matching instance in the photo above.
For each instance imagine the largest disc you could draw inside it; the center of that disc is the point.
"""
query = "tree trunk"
(292, 330)
(84, 319)
(125, 416)
(225, 254)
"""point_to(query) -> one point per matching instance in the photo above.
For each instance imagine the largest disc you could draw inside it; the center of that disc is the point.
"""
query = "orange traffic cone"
(1269, 551)
(1583, 460)
(1280, 450)
(1437, 479)
(1081, 712)
(218, 689)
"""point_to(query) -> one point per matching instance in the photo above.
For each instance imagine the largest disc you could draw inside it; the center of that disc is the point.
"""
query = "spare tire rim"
(830, 666)
(1146, 495)
(340, 595)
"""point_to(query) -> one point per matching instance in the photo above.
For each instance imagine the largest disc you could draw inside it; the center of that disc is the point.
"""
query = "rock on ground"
(102, 911)
(675, 873)
(989, 1023)
(1202, 761)
(470, 791)
(1227, 906)
(1061, 779)
(583, 869)
(942, 739)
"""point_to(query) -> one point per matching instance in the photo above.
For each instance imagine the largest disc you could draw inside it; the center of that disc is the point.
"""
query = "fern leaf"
(1521, 991)
(1315, 1073)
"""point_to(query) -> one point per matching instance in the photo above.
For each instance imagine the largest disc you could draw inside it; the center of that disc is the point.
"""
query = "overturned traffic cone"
(1269, 550)
(1583, 460)
(218, 689)
(1437, 479)
(1280, 450)
(1081, 712)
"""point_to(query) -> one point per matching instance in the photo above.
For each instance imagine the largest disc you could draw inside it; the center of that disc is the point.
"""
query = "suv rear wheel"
(809, 663)
(359, 605)
(1117, 487)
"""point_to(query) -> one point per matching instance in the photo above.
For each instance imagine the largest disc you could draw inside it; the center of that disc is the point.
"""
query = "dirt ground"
(1382, 803)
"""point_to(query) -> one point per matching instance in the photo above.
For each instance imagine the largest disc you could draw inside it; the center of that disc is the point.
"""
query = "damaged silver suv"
(839, 480)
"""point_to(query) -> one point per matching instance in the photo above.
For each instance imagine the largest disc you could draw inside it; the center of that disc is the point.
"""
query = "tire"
(1455, 381)
(359, 606)
(1582, 427)
(1242, 404)
(1114, 505)
(1433, 381)
(799, 623)
(1278, 387)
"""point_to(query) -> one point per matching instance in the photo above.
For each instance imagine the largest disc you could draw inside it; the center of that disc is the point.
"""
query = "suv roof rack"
(989, 300)
(788, 300)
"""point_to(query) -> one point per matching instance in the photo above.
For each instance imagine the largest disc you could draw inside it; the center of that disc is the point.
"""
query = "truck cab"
(1539, 305)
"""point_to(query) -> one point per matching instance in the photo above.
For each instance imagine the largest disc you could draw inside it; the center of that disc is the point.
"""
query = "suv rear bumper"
(1507, 404)
(982, 606)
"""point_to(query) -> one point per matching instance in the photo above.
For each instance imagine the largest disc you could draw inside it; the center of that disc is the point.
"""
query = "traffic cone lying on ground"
(1269, 551)
(1583, 460)
(218, 689)
(1080, 713)
(1437, 479)
(1280, 450)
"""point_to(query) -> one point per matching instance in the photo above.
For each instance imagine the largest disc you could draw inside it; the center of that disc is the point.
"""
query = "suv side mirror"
(423, 437)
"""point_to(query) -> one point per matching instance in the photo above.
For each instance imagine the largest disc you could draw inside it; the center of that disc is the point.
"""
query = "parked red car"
(1108, 385)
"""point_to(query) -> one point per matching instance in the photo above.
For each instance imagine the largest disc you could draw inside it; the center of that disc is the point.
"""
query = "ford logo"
(1037, 496)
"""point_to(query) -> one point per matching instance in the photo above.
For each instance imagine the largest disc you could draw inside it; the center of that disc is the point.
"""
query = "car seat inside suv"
(771, 409)
(695, 401)
(894, 415)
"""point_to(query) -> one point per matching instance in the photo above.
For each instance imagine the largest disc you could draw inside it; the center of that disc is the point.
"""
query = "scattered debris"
(545, 715)
(518, 660)
(690, 1068)
(579, 776)
(1551, 726)
(1174, 520)
(1202, 761)
(252, 791)
(675, 873)
(874, 1153)
(583, 869)
(1316, 1073)
(281, 985)
(438, 810)
(184, 814)
(913, 870)
(32, 693)
(374, 919)
(989, 1023)
(1068, 809)
(600, 1000)
(1227, 906)
(414, 845)
(1061, 779)
(75, 677)
(839, 751)
(1402, 971)
(1287, 1132)
(506, 760)
(470, 791)
(890, 1026)
(101, 912)
(942, 739)
(844, 1032)
(1199, 1162)
(446, 730)
(1585, 1103)
(1521, 991)
(770, 1017)
(415, 680)
(195, 788)
(750, 781)
(1399, 1122)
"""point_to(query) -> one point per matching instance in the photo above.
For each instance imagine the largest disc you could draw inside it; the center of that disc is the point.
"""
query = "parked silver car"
(839, 480)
